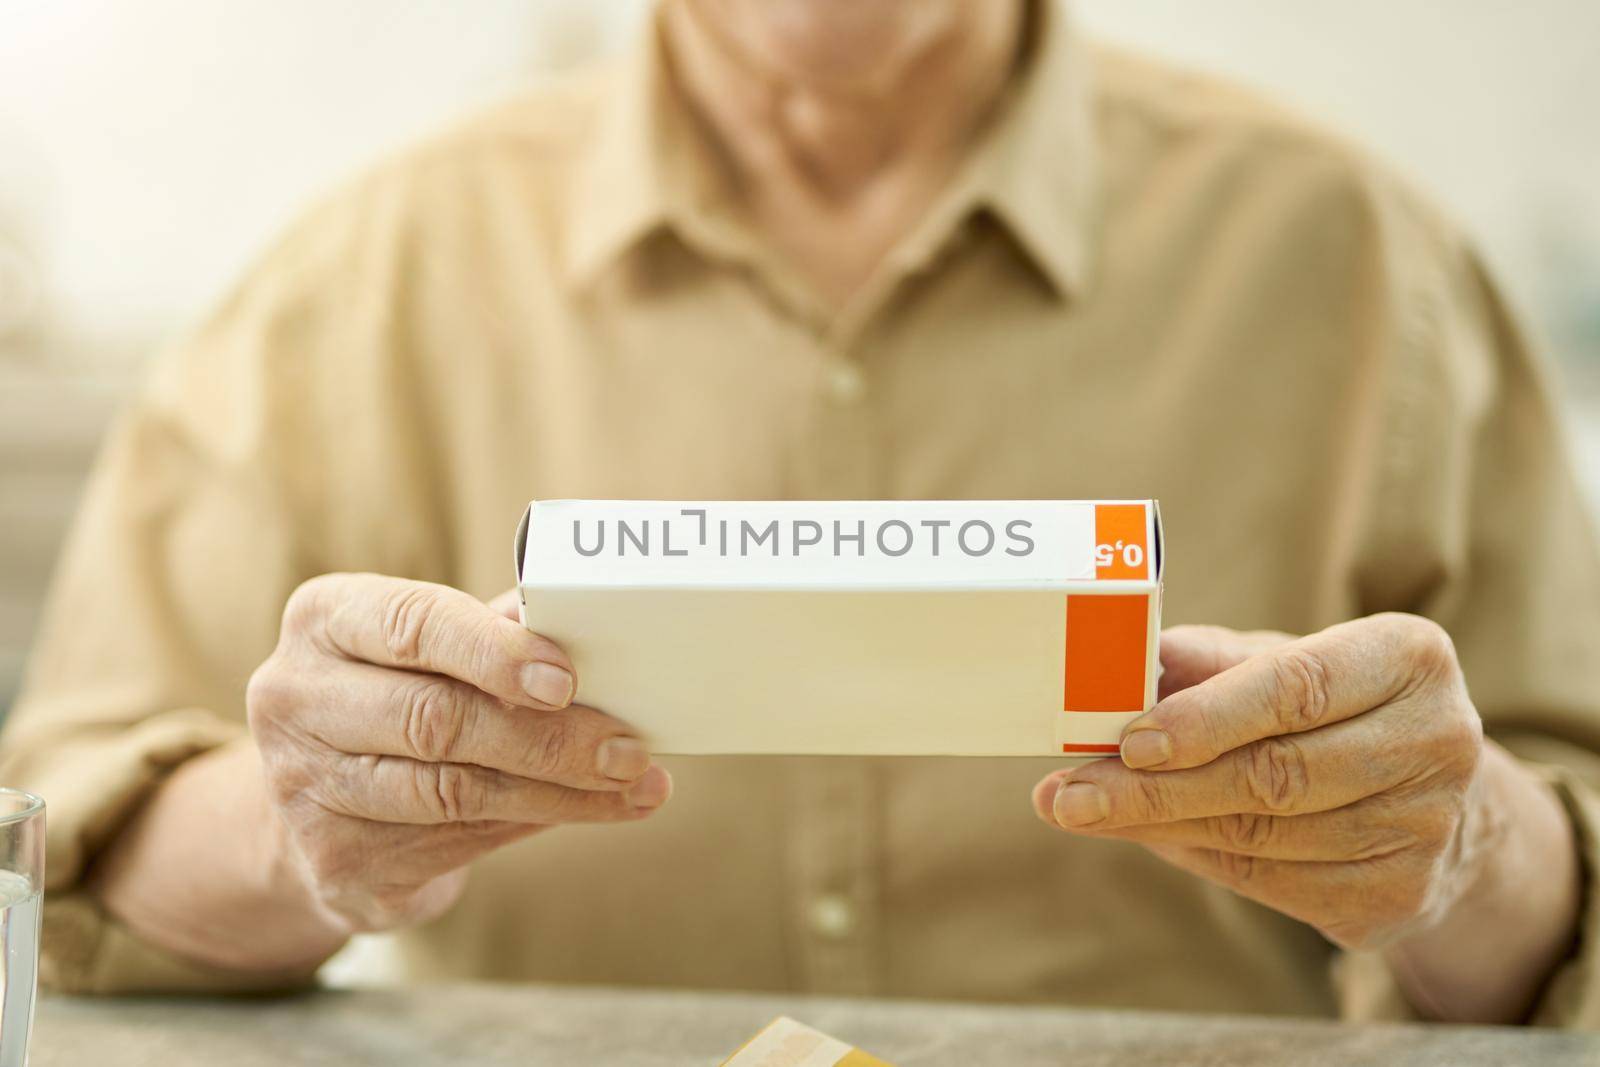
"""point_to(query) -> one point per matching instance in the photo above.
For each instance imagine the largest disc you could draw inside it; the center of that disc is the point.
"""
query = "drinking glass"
(21, 888)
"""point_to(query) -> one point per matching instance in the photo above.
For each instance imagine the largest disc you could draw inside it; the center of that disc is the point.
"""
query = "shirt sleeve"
(198, 520)
(1487, 531)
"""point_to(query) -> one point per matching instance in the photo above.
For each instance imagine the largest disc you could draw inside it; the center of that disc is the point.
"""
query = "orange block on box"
(1107, 641)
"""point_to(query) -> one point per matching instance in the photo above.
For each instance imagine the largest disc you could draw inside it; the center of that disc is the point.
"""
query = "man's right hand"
(407, 728)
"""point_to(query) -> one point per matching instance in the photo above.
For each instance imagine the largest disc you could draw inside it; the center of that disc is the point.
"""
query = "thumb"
(506, 604)
(1191, 654)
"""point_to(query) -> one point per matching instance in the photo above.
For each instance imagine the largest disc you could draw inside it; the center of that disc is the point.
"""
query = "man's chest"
(1243, 422)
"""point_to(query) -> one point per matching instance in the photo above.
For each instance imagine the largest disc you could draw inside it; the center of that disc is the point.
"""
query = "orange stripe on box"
(1105, 655)
(1096, 749)
(1117, 528)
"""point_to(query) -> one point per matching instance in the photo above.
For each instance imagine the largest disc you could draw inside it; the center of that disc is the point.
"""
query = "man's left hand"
(1339, 778)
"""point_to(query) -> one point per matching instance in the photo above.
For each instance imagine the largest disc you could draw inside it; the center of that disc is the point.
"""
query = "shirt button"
(832, 916)
(846, 383)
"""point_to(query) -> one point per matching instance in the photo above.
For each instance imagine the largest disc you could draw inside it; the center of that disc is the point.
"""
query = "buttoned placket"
(835, 822)
(835, 851)
(833, 846)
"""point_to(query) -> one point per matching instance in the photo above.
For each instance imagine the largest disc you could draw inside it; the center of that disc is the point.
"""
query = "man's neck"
(833, 166)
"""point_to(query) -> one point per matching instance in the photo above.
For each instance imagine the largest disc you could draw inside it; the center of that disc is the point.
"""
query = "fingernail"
(1080, 803)
(1146, 748)
(651, 791)
(548, 684)
(623, 758)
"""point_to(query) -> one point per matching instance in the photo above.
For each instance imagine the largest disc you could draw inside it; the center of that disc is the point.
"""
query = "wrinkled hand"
(407, 728)
(1337, 778)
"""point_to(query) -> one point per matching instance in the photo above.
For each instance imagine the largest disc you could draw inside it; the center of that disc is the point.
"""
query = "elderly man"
(902, 249)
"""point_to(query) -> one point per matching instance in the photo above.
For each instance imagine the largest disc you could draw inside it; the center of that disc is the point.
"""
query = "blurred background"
(148, 150)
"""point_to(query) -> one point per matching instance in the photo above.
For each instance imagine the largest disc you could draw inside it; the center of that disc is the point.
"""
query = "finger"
(1191, 654)
(1368, 829)
(1289, 775)
(413, 855)
(1330, 676)
(349, 850)
(421, 626)
(378, 875)
(398, 790)
(509, 604)
(435, 719)
(1350, 903)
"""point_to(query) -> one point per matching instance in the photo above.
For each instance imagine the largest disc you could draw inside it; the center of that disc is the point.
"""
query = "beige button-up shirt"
(1143, 283)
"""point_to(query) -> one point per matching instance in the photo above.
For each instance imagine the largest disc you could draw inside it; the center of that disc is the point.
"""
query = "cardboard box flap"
(521, 545)
(1159, 536)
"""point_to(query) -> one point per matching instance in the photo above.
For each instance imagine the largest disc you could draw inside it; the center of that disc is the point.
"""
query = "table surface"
(526, 1025)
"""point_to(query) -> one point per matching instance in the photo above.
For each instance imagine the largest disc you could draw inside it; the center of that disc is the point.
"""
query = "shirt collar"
(1037, 168)
(637, 175)
(1034, 168)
